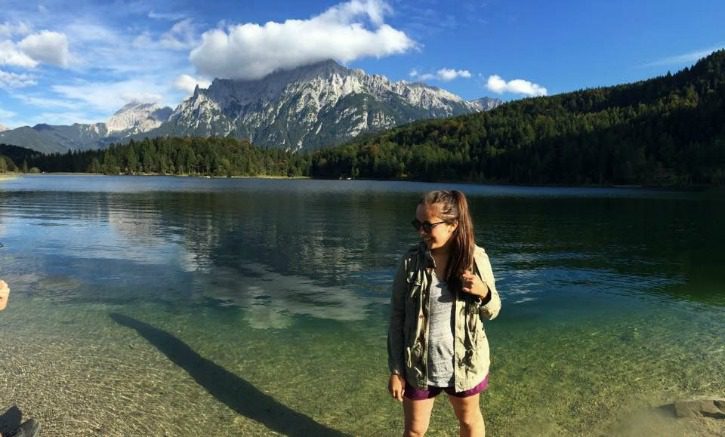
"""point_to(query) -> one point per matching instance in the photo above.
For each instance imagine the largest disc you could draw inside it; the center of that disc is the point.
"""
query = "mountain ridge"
(312, 106)
(132, 118)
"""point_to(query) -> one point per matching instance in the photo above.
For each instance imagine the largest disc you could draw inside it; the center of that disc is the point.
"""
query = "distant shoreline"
(65, 173)
(690, 188)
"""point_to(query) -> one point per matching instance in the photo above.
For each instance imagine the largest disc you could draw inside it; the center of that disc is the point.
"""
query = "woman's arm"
(397, 319)
(4, 293)
(492, 302)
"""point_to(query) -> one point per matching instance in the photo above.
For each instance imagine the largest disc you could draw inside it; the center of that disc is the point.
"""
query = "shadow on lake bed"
(235, 392)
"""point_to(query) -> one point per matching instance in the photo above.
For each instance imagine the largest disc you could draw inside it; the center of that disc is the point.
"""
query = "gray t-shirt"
(440, 335)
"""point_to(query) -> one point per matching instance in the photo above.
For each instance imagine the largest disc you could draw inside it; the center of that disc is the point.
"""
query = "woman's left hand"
(472, 284)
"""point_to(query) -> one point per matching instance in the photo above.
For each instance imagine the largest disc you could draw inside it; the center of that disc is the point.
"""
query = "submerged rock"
(714, 408)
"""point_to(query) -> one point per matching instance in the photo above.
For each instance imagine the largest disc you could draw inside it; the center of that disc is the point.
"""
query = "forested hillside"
(663, 131)
(173, 156)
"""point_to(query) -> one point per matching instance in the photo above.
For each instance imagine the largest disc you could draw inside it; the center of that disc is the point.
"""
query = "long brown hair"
(453, 208)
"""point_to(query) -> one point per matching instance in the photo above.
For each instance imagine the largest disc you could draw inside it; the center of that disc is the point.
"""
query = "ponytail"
(462, 256)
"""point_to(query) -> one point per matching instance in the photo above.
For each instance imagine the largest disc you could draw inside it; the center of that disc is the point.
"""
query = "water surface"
(185, 306)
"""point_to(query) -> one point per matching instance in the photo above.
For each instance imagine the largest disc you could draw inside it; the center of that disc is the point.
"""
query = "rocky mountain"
(312, 106)
(133, 119)
(317, 105)
(3, 128)
(136, 118)
(487, 103)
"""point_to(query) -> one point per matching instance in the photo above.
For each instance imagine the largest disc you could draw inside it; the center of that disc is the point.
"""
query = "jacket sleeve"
(492, 304)
(397, 320)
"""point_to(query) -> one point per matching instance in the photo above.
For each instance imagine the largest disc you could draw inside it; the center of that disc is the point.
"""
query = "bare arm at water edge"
(4, 293)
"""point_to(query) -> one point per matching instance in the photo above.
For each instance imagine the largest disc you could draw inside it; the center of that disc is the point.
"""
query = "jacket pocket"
(413, 354)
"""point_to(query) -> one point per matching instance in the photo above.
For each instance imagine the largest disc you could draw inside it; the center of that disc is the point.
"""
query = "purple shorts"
(417, 394)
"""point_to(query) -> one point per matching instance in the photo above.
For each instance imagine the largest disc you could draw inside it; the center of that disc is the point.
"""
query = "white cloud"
(443, 74)
(6, 114)
(448, 74)
(122, 55)
(166, 16)
(8, 29)
(187, 83)
(15, 80)
(46, 46)
(684, 58)
(10, 55)
(517, 86)
(181, 36)
(42, 47)
(109, 96)
(93, 33)
(344, 32)
(45, 102)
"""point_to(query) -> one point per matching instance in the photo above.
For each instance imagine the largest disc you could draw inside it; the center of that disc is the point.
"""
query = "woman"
(442, 292)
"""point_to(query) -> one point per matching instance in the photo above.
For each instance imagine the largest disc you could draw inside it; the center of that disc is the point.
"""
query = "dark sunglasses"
(426, 226)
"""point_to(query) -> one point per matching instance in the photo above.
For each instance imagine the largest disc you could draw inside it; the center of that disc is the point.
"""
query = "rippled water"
(184, 306)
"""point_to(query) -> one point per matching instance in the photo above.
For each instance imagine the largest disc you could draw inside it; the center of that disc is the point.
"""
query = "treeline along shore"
(665, 131)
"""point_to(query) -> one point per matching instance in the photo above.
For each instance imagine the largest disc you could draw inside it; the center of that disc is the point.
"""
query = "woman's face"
(440, 234)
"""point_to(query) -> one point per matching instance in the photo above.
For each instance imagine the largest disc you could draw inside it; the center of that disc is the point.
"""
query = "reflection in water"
(272, 299)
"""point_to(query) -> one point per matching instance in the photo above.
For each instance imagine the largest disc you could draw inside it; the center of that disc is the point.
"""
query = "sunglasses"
(426, 226)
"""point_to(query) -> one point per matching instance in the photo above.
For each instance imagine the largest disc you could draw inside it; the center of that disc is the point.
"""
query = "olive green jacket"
(408, 331)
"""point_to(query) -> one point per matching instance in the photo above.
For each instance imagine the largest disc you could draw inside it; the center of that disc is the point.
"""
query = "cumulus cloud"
(14, 80)
(447, 74)
(11, 55)
(42, 47)
(187, 83)
(517, 86)
(443, 74)
(46, 46)
(345, 32)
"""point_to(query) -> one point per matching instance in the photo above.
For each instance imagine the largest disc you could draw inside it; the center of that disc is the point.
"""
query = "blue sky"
(63, 62)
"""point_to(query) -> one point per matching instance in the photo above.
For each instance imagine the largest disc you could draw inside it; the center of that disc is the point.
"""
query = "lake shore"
(673, 188)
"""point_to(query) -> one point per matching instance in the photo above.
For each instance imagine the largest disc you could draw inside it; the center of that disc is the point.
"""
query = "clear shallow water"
(179, 306)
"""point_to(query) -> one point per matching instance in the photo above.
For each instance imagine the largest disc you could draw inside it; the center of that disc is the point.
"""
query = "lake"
(190, 306)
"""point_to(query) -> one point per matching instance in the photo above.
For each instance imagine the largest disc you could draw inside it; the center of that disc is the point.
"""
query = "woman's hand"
(396, 386)
(472, 284)
(4, 292)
